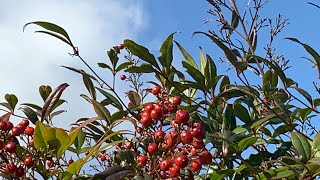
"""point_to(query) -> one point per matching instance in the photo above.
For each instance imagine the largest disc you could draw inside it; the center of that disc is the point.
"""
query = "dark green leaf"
(104, 65)
(89, 85)
(305, 94)
(142, 52)
(187, 56)
(115, 102)
(241, 112)
(34, 106)
(123, 66)
(12, 100)
(113, 57)
(143, 68)
(45, 92)
(195, 74)
(101, 110)
(32, 116)
(302, 145)
(316, 142)
(234, 20)
(246, 142)
(166, 52)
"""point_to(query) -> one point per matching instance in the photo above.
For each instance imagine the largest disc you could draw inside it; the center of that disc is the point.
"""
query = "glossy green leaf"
(311, 51)
(263, 121)
(44, 91)
(285, 174)
(38, 138)
(123, 66)
(114, 101)
(316, 142)
(101, 110)
(31, 114)
(166, 56)
(143, 68)
(302, 145)
(229, 118)
(89, 85)
(246, 142)
(104, 65)
(142, 52)
(271, 77)
(203, 61)
(187, 56)
(210, 73)
(283, 129)
(34, 106)
(64, 140)
(113, 57)
(241, 112)
(195, 74)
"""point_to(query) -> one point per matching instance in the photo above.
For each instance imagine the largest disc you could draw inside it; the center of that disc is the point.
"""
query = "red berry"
(205, 157)
(28, 161)
(142, 160)
(182, 116)
(130, 104)
(159, 134)
(197, 124)
(176, 100)
(49, 163)
(127, 145)
(148, 108)
(198, 132)
(25, 122)
(20, 172)
(173, 108)
(21, 127)
(152, 148)
(155, 115)
(3, 125)
(10, 147)
(146, 121)
(16, 131)
(181, 161)
(174, 171)
(138, 129)
(197, 143)
(186, 137)
(70, 161)
(123, 77)
(165, 165)
(11, 168)
(120, 46)
(102, 157)
(29, 131)
(195, 166)
(9, 126)
(156, 90)
(193, 151)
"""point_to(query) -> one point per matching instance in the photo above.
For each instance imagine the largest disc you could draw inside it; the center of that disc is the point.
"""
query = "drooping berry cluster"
(14, 164)
(171, 144)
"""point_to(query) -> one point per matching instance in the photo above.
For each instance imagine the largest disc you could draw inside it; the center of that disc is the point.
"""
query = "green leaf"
(134, 97)
(253, 39)
(302, 145)
(228, 52)
(79, 141)
(285, 174)
(142, 52)
(75, 167)
(31, 114)
(187, 56)
(12, 100)
(101, 110)
(203, 61)
(143, 68)
(114, 101)
(241, 112)
(283, 129)
(80, 71)
(34, 106)
(113, 57)
(52, 27)
(229, 119)
(89, 85)
(311, 51)
(246, 142)
(166, 52)
(64, 140)
(123, 66)
(38, 138)
(271, 77)
(195, 74)
(316, 142)
(44, 91)
(305, 94)
(234, 20)
(210, 73)
(263, 121)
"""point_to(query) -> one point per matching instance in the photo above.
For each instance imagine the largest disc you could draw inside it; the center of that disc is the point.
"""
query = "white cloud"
(29, 60)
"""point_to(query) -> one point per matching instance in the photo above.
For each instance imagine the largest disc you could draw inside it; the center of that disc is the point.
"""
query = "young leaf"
(64, 140)
(44, 91)
(12, 100)
(301, 144)
(38, 138)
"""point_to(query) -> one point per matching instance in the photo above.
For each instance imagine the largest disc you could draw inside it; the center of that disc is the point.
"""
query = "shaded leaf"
(187, 56)
(12, 100)
(246, 142)
(115, 102)
(31, 114)
(302, 145)
(89, 85)
(44, 92)
(143, 68)
(134, 97)
(166, 51)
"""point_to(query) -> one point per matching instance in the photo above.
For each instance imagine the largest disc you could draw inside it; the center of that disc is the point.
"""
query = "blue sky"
(30, 60)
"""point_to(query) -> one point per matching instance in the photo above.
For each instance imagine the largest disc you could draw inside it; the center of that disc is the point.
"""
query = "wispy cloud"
(29, 60)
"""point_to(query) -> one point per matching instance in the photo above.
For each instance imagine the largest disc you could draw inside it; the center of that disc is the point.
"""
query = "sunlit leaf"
(302, 145)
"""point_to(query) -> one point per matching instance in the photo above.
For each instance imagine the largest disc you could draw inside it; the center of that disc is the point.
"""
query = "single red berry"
(11, 168)
(29, 131)
(25, 122)
(102, 157)
(146, 121)
(197, 143)
(127, 145)
(16, 131)
(123, 77)
(10, 147)
(28, 161)
(176, 100)
(165, 165)
(198, 132)
(120, 46)
(130, 104)
(70, 161)
(49, 163)
(152, 148)
(193, 151)
(174, 171)
(182, 116)
(156, 90)
(159, 134)
(195, 166)
(205, 157)
(9, 126)
(142, 160)
(20, 172)
(21, 127)
(173, 108)
(186, 137)
(181, 161)
(155, 115)
(148, 108)
(3, 125)
(197, 124)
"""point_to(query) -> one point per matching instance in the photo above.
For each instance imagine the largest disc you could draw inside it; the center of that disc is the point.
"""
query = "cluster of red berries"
(11, 164)
(171, 144)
